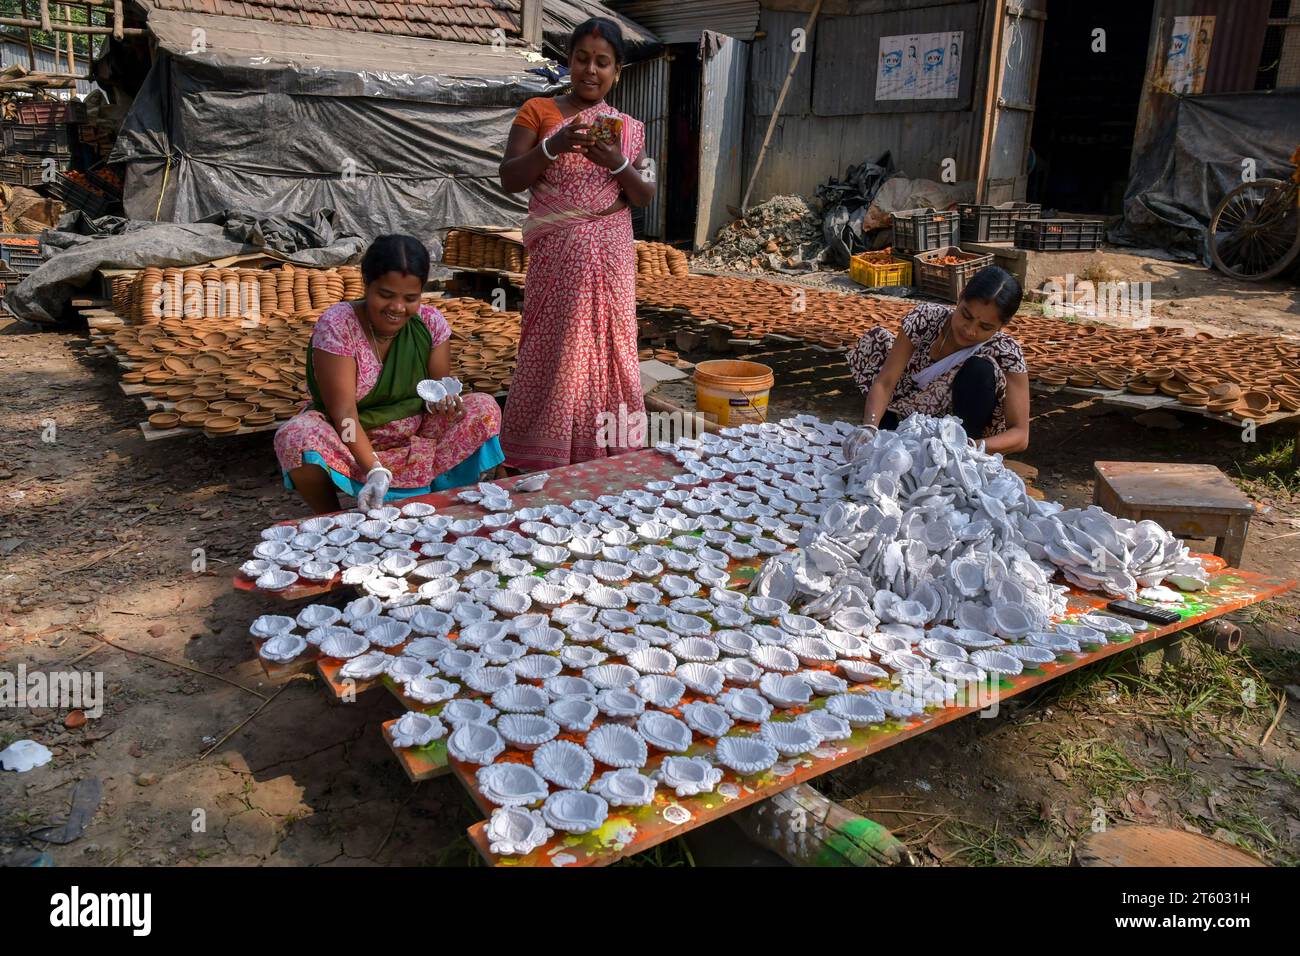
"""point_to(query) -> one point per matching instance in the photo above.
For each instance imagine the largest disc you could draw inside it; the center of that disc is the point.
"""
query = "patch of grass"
(991, 846)
(1254, 831)
(1102, 764)
(28, 818)
(459, 852)
(1087, 684)
(1277, 665)
(1262, 615)
(1106, 768)
(673, 853)
(1271, 467)
(1207, 692)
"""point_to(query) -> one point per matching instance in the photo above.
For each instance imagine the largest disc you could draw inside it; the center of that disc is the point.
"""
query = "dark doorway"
(682, 175)
(1087, 103)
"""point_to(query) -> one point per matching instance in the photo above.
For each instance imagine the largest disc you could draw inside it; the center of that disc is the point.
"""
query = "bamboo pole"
(31, 50)
(73, 27)
(72, 56)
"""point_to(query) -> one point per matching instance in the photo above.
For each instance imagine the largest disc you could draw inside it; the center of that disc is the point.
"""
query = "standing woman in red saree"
(577, 376)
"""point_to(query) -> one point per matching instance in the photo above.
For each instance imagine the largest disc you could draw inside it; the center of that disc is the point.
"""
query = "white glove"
(372, 494)
(451, 406)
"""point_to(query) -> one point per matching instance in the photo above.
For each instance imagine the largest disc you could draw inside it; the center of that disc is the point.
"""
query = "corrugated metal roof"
(676, 22)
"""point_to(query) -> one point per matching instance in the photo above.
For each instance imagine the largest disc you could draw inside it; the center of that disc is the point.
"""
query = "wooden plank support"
(806, 828)
(531, 23)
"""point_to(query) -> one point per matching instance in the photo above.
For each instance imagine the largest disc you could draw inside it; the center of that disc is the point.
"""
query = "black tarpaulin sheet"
(114, 243)
(395, 134)
(1197, 159)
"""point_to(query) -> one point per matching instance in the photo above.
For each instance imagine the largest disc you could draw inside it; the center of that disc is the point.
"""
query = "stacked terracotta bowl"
(476, 250)
(217, 374)
(484, 343)
(660, 259)
(1244, 376)
(213, 344)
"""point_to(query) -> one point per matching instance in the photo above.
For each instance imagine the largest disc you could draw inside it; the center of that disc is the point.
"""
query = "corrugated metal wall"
(682, 21)
(807, 149)
(722, 137)
(14, 53)
(1239, 28)
(642, 92)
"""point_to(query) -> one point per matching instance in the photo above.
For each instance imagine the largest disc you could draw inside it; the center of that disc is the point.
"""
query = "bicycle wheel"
(1255, 231)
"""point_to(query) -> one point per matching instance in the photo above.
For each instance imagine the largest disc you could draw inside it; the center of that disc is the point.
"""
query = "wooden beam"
(72, 27)
(531, 23)
(993, 89)
(45, 15)
(117, 19)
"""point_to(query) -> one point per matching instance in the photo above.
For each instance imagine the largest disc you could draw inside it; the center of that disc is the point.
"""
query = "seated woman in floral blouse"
(952, 360)
(366, 431)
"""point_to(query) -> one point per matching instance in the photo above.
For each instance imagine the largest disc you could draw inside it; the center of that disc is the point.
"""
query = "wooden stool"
(1191, 501)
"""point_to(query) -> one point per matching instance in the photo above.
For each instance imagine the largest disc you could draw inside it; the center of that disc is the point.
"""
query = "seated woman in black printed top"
(952, 360)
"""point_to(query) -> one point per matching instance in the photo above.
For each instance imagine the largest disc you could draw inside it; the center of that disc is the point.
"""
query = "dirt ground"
(204, 762)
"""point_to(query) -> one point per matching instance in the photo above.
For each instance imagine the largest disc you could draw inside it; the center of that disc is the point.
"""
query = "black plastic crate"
(920, 230)
(36, 140)
(985, 223)
(1060, 235)
(73, 194)
(946, 280)
(25, 264)
(19, 170)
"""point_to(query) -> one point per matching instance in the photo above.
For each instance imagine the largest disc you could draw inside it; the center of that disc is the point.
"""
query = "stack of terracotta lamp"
(1242, 376)
(753, 308)
(660, 259)
(477, 250)
(201, 341)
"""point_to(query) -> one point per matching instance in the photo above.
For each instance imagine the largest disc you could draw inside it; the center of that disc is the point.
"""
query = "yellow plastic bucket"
(733, 392)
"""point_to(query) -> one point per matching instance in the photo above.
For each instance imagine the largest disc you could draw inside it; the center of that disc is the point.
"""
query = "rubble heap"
(782, 234)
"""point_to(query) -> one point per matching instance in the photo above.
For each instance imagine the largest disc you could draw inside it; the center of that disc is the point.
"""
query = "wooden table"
(628, 831)
(1191, 501)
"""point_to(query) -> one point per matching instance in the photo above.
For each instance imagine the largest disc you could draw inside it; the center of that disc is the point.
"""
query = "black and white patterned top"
(923, 325)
